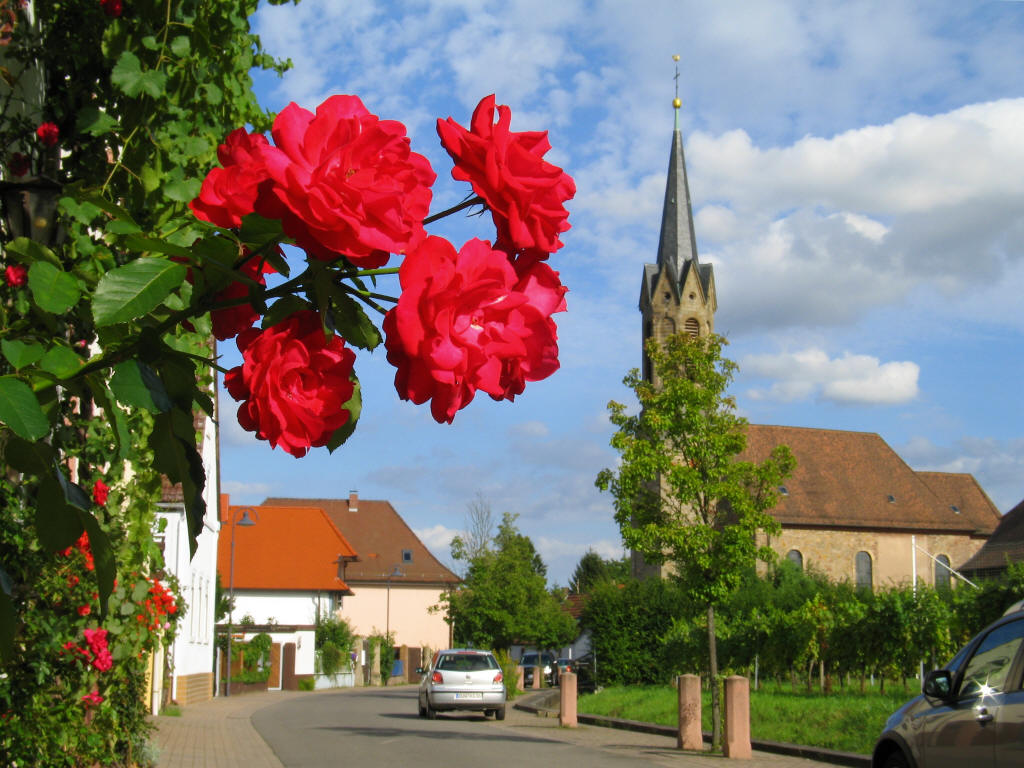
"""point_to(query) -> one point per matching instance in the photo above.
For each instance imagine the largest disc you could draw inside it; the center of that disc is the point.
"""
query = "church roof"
(1006, 543)
(854, 480)
(677, 243)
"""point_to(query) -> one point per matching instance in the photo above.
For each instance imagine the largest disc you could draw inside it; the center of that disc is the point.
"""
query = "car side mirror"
(938, 684)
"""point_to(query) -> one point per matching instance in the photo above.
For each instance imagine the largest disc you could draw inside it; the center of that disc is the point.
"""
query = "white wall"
(280, 606)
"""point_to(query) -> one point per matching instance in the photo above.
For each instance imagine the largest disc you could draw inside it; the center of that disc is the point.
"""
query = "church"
(852, 510)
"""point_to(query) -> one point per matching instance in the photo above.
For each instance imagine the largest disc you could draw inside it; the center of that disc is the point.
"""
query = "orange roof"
(288, 548)
(384, 540)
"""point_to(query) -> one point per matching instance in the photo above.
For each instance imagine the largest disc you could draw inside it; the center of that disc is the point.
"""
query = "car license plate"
(476, 696)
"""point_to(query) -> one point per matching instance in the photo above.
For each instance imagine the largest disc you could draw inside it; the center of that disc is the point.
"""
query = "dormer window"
(783, 490)
(892, 499)
(406, 555)
(955, 508)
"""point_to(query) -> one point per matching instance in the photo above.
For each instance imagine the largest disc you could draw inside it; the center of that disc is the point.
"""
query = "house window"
(863, 566)
(406, 555)
(795, 556)
(942, 572)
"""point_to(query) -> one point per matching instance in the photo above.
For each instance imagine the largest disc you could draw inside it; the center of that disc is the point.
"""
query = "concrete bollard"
(689, 736)
(538, 673)
(567, 694)
(520, 675)
(737, 718)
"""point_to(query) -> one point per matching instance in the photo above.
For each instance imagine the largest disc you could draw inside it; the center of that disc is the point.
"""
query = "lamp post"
(395, 573)
(245, 521)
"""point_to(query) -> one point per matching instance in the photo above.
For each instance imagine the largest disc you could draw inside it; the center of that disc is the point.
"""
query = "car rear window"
(467, 662)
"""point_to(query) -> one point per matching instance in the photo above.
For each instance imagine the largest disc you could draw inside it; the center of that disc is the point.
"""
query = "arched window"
(692, 327)
(863, 566)
(942, 572)
(795, 556)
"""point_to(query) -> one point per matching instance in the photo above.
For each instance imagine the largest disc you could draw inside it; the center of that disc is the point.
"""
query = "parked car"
(564, 665)
(462, 679)
(532, 659)
(970, 713)
(585, 668)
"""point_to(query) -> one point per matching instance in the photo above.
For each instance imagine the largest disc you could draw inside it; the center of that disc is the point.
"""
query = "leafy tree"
(504, 598)
(682, 496)
(592, 569)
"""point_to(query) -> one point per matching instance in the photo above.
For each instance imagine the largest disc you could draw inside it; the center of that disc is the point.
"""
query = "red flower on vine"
(113, 8)
(49, 134)
(92, 699)
(100, 492)
(16, 275)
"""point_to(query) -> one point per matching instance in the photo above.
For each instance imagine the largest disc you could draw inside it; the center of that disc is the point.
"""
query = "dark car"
(971, 712)
(543, 659)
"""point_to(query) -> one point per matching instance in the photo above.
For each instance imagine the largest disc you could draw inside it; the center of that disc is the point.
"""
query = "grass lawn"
(846, 720)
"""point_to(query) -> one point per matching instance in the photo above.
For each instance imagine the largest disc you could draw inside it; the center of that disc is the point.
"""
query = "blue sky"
(857, 175)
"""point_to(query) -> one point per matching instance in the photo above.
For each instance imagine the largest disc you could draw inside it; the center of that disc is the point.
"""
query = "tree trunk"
(716, 703)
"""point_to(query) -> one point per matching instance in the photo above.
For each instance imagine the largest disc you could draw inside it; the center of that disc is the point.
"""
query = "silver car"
(462, 679)
(970, 714)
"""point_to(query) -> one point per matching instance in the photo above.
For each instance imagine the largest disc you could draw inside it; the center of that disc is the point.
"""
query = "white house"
(284, 566)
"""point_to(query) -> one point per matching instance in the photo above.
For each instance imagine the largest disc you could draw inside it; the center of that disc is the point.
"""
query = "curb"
(540, 704)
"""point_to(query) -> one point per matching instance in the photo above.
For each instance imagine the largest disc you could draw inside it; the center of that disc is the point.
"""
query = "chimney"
(353, 501)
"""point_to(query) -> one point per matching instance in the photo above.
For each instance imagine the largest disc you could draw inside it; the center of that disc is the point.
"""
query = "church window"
(668, 297)
(795, 556)
(692, 327)
(863, 568)
(693, 296)
(942, 572)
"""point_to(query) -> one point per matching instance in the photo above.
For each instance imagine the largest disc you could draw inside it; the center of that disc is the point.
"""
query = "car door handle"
(984, 716)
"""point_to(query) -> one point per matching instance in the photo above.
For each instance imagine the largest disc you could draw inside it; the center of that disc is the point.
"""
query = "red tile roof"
(380, 535)
(855, 480)
(1007, 543)
(291, 548)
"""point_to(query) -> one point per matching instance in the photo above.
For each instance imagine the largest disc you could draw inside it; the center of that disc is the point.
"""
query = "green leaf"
(7, 622)
(31, 457)
(73, 492)
(94, 121)
(128, 387)
(114, 415)
(61, 362)
(354, 406)
(182, 190)
(282, 308)
(19, 354)
(131, 80)
(83, 212)
(121, 227)
(155, 245)
(351, 322)
(31, 251)
(135, 289)
(213, 94)
(19, 409)
(180, 46)
(151, 178)
(52, 289)
(103, 557)
(57, 522)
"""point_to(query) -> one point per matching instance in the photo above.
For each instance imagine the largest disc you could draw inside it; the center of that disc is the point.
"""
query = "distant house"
(287, 572)
(396, 581)
(1006, 544)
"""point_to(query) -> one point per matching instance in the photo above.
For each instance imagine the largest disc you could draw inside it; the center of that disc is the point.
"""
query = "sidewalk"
(220, 734)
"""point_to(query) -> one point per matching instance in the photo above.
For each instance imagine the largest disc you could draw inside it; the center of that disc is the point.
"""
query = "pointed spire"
(677, 243)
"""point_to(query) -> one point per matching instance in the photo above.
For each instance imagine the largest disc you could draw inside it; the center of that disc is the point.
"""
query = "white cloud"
(245, 492)
(850, 379)
(437, 538)
(997, 465)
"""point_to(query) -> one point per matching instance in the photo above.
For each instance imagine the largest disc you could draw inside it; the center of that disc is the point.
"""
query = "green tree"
(682, 495)
(592, 569)
(504, 598)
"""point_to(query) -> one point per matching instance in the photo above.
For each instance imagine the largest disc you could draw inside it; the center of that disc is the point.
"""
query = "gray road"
(380, 727)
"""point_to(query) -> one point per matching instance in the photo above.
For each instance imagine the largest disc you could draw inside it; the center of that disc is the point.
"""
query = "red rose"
(346, 183)
(49, 134)
(113, 8)
(19, 164)
(16, 275)
(100, 492)
(231, 321)
(467, 321)
(524, 192)
(229, 193)
(92, 699)
(293, 382)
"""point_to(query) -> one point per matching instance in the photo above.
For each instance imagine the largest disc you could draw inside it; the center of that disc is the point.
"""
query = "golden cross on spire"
(676, 102)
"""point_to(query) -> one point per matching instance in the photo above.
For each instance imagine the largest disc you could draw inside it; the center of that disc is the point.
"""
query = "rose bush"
(466, 321)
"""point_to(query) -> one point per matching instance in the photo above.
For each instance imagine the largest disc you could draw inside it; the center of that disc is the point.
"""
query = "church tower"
(677, 292)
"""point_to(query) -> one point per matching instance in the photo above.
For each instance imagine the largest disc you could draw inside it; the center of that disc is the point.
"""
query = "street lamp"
(246, 522)
(395, 574)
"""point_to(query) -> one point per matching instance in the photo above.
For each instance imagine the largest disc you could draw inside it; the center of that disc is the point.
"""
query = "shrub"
(509, 673)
